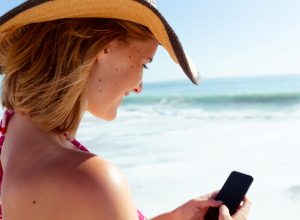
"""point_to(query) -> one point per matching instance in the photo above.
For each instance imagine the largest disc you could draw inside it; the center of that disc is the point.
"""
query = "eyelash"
(145, 66)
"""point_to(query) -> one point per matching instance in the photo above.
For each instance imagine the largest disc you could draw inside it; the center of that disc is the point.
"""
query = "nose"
(139, 88)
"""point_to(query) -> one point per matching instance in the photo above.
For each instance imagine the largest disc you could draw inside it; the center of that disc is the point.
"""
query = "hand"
(196, 208)
(241, 213)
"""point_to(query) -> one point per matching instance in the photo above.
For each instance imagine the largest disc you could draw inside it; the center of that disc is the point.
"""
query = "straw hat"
(139, 11)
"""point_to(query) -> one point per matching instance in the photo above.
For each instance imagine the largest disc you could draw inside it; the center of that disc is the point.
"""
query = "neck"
(31, 143)
(20, 123)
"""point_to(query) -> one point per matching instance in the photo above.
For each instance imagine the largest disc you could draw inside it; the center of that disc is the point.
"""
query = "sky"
(227, 37)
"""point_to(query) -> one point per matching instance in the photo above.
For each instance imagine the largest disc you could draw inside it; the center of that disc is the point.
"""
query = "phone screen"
(232, 193)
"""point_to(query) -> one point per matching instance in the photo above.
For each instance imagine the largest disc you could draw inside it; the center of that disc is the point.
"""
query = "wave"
(154, 112)
(273, 99)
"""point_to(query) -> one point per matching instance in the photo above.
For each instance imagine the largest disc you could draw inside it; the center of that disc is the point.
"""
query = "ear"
(108, 48)
(104, 51)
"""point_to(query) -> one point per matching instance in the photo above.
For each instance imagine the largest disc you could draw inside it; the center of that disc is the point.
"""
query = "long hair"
(46, 67)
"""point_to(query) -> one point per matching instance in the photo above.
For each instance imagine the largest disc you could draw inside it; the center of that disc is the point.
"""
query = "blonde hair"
(46, 67)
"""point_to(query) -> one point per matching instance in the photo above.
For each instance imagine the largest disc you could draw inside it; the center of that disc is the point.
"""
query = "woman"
(62, 58)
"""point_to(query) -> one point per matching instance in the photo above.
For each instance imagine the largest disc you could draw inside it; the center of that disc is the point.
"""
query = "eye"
(145, 66)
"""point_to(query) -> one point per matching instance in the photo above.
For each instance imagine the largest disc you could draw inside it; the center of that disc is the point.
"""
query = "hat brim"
(138, 11)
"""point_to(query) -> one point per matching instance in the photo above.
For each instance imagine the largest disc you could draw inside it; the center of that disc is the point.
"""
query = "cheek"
(128, 75)
(116, 78)
(133, 66)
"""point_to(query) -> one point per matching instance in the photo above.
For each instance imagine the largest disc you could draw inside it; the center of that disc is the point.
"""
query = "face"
(117, 72)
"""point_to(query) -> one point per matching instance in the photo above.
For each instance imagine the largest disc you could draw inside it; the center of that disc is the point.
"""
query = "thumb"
(224, 213)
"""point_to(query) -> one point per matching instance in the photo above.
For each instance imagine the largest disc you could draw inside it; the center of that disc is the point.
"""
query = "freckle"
(100, 80)
(117, 70)
(131, 67)
(100, 91)
(34, 202)
(111, 66)
(129, 57)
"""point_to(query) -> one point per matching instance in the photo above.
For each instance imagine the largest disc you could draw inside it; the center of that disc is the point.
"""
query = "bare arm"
(196, 209)
(165, 216)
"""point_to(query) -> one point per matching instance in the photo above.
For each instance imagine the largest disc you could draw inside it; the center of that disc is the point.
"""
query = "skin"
(118, 70)
(46, 177)
(241, 214)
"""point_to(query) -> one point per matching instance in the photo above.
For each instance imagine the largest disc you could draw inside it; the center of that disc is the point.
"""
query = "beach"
(174, 143)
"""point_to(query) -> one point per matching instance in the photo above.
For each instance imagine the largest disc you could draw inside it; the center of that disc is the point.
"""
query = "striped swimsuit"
(3, 125)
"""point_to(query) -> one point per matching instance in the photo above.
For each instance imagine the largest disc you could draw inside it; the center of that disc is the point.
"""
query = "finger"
(212, 203)
(244, 210)
(246, 205)
(224, 213)
(211, 195)
(201, 202)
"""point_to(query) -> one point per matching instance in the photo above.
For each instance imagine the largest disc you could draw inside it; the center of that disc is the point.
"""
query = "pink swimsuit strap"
(3, 126)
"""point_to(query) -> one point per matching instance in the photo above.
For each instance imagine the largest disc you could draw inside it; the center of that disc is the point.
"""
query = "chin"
(110, 116)
(107, 117)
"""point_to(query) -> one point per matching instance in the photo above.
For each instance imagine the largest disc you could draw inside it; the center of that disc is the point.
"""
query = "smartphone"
(232, 194)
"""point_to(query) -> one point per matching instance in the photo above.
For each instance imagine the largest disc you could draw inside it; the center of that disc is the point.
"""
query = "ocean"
(176, 141)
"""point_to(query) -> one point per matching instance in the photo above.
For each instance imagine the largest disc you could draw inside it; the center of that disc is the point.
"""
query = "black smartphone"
(232, 194)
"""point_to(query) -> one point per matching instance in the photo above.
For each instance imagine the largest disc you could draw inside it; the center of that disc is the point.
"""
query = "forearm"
(164, 216)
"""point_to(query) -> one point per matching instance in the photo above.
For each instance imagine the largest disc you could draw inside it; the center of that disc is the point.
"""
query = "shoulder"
(95, 189)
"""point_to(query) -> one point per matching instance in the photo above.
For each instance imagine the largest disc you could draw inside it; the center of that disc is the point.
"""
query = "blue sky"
(228, 37)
